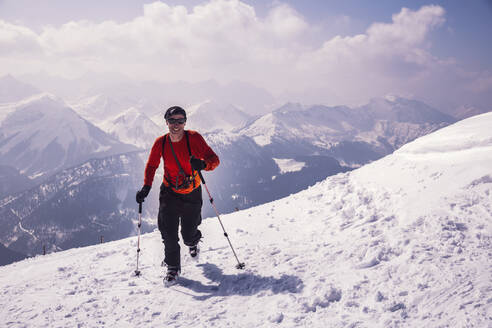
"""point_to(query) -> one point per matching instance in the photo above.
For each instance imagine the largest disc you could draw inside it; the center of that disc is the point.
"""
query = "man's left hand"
(197, 164)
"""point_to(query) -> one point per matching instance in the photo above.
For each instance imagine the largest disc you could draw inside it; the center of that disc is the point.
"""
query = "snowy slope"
(402, 242)
(41, 135)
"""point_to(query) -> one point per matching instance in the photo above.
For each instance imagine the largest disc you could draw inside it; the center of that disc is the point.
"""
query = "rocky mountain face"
(8, 256)
(11, 181)
(74, 207)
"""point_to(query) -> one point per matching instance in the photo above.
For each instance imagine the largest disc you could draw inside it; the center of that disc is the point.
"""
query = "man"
(184, 153)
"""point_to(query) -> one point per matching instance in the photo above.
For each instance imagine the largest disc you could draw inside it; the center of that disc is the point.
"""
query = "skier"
(184, 153)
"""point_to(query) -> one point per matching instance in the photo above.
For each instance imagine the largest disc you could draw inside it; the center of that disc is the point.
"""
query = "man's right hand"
(141, 194)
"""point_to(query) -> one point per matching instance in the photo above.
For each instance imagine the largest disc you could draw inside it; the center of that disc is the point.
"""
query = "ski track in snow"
(381, 246)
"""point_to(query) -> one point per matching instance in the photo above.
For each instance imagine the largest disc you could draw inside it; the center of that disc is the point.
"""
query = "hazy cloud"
(227, 40)
(17, 40)
(385, 58)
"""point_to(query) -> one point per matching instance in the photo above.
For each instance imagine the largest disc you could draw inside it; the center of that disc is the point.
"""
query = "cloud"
(17, 40)
(226, 40)
(388, 55)
(206, 39)
(409, 28)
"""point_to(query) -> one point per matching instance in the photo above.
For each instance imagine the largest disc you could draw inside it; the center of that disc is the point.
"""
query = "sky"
(328, 52)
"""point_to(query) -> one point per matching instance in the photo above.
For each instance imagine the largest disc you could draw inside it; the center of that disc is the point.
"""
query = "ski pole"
(240, 265)
(137, 271)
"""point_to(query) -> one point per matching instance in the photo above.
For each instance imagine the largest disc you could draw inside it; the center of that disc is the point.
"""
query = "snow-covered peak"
(212, 115)
(133, 127)
(129, 115)
(193, 108)
(45, 112)
(221, 138)
(100, 107)
(294, 122)
(398, 109)
(44, 99)
(42, 134)
(290, 107)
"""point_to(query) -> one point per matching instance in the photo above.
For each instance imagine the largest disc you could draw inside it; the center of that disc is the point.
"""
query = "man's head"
(175, 119)
(174, 110)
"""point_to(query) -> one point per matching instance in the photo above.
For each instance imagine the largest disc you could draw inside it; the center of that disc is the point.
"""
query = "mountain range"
(41, 135)
(263, 158)
(353, 136)
(247, 97)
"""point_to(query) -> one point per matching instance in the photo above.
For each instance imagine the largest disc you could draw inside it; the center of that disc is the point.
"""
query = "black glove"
(197, 164)
(141, 194)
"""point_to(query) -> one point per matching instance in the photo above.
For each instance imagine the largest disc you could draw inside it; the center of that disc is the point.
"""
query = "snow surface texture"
(288, 165)
(402, 242)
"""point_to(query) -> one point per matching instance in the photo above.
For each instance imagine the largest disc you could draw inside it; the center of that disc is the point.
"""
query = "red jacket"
(199, 149)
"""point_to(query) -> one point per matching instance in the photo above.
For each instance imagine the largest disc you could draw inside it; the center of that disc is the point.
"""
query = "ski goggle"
(176, 120)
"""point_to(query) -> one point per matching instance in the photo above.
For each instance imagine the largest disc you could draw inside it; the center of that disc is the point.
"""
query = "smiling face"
(176, 124)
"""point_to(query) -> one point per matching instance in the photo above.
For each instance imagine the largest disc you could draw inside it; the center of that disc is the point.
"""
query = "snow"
(402, 242)
(35, 175)
(287, 165)
(41, 134)
(215, 116)
(98, 107)
(132, 127)
(44, 118)
(261, 131)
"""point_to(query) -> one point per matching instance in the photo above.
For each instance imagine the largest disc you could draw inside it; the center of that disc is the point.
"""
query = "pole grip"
(140, 208)
(201, 176)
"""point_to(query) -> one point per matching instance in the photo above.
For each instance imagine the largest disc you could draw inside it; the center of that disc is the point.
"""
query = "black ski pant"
(172, 208)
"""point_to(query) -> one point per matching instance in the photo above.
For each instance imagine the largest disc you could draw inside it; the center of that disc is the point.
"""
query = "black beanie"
(175, 110)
